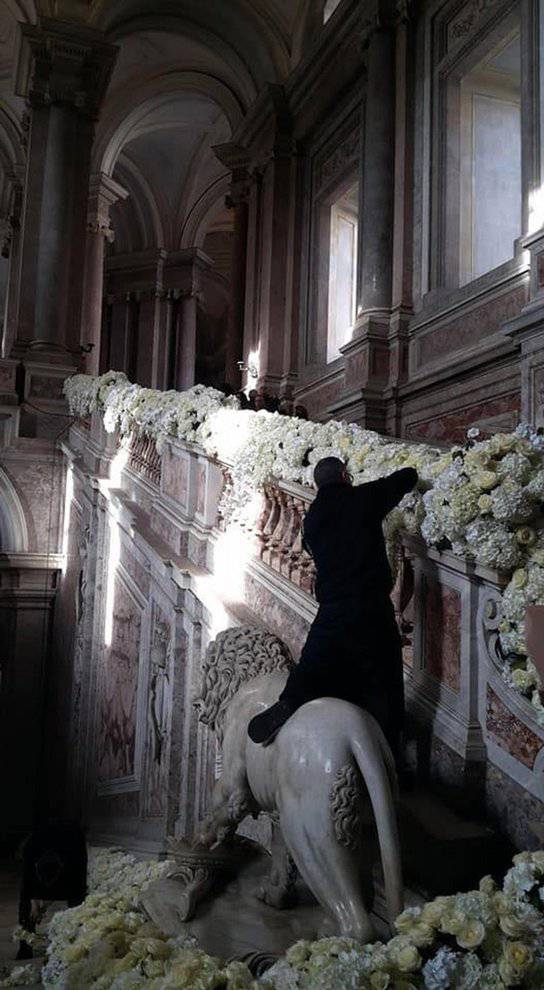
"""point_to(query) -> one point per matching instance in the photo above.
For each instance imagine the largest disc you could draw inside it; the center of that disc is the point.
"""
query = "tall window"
(329, 9)
(490, 161)
(342, 271)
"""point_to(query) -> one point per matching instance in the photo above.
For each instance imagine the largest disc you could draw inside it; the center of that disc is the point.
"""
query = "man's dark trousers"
(353, 650)
(354, 654)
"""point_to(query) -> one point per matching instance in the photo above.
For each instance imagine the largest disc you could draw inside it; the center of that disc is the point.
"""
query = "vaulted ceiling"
(186, 73)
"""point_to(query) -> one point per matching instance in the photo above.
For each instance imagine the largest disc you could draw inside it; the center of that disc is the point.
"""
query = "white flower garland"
(487, 938)
(483, 500)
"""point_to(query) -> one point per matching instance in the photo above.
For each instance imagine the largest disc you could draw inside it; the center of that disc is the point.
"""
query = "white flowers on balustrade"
(482, 499)
(490, 938)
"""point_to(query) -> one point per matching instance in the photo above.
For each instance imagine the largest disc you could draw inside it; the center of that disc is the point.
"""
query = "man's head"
(331, 471)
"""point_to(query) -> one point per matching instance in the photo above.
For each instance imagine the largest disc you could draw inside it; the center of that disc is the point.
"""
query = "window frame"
(438, 270)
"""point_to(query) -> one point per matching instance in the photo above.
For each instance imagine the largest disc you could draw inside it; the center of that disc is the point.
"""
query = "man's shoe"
(264, 728)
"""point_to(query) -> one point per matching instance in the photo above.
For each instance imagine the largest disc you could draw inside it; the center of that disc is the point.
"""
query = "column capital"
(64, 64)
(103, 193)
(236, 159)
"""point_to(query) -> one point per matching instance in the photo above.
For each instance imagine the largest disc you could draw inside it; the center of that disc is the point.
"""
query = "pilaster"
(63, 71)
(103, 193)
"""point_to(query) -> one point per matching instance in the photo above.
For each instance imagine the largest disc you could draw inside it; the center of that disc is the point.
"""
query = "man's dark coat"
(353, 650)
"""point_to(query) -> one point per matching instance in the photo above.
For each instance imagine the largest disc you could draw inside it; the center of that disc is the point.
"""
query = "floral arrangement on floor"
(487, 939)
(107, 943)
(491, 939)
(482, 499)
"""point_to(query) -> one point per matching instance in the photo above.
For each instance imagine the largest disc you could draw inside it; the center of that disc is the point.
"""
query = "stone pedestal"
(27, 589)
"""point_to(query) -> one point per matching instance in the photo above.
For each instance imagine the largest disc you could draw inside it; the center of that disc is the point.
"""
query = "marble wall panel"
(278, 617)
(443, 633)
(452, 426)
(175, 476)
(116, 728)
(137, 569)
(467, 329)
(509, 733)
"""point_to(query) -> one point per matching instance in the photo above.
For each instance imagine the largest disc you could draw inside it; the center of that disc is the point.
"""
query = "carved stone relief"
(158, 711)
(345, 807)
(119, 688)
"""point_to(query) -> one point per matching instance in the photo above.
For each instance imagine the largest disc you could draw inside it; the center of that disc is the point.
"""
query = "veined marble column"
(367, 353)
(236, 159)
(63, 72)
(104, 192)
(376, 183)
(186, 341)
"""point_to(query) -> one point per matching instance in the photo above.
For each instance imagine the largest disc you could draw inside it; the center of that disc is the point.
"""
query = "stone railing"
(144, 458)
(279, 536)
(170, 565)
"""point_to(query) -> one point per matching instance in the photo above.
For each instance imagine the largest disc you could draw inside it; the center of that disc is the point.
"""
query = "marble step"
(443, 852)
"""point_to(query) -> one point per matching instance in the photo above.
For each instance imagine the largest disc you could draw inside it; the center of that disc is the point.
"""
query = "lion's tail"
(375, 761)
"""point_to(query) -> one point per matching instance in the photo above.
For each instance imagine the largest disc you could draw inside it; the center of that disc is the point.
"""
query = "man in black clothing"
(353, 650)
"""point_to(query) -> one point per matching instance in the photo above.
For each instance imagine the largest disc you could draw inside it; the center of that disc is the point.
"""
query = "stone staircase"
(442, 852)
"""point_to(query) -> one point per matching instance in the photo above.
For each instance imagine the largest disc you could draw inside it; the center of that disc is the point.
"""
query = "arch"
(240, 25)
(202, 212)
(10, 139)
(142, 202)
(151, 96)
(13, 526)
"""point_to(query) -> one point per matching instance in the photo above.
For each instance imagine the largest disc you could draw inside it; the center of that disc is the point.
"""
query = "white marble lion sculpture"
(328, 763)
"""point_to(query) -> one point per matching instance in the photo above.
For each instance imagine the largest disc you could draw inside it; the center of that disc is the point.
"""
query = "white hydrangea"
(510, 502)
(492, 544)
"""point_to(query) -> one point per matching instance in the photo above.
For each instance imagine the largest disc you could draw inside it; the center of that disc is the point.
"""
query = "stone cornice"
(340, 45)
(66, 64)
(103, 193)
(267, 126)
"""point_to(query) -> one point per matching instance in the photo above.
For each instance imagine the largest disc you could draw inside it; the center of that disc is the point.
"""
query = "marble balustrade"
(159, 572)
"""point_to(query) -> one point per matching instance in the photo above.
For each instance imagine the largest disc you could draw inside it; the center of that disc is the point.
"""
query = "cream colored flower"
(517, 958)
(485, 503)
(471, 934)
(525, 536)
(408, 959)
(485, 480)
(380, 981)
(523, 680)
(298, 953)
(519, 578)
(487, 886)
(432, 912)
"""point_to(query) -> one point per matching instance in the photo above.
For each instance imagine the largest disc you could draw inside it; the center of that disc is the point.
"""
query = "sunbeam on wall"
(68, 497)
(536, 210)
(114, 551)
(226, 584)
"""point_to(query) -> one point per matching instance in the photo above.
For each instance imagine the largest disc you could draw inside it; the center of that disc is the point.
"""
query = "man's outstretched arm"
(385, 494)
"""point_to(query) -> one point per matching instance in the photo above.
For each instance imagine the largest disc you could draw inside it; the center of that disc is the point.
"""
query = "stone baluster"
(271, 556)
(289, 537)
(272, 521)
